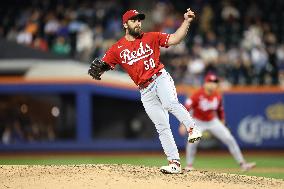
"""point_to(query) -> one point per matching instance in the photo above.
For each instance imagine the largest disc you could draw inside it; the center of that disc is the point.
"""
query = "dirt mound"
(123, 177)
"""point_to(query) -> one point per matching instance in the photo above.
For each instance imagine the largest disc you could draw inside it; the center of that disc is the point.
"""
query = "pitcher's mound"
(123, 177)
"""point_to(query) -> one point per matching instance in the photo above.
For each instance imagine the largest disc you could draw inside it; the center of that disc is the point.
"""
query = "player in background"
(207, 111)
(138, 53)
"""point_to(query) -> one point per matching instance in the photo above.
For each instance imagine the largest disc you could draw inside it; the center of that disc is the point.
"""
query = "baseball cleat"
(172, 168)
(194, 135)
(247, 166)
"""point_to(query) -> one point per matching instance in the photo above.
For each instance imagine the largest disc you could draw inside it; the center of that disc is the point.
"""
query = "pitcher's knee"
(161, 130)
(170, 105)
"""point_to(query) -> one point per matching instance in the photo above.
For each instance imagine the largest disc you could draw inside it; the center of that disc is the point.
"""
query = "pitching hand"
(189, 15)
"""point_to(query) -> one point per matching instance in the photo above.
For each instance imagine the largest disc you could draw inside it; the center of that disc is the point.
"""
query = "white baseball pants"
(158, 99)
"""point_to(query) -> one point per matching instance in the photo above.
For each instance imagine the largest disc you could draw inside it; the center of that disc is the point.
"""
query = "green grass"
(268, 175)
(272, 167)
(228, 162)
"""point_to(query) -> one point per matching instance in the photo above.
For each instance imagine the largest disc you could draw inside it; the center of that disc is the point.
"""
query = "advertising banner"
(256, 119)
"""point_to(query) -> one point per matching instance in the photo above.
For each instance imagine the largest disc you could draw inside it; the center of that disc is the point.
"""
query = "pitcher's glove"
(97, 68)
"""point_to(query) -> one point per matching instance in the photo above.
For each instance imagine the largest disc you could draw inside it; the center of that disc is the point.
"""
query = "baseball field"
(137, 170)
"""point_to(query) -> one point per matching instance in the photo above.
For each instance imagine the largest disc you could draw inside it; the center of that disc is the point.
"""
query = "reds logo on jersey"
(205, 104)
(131, 57)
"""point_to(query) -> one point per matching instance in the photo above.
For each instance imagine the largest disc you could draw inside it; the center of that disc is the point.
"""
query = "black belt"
(150, 80)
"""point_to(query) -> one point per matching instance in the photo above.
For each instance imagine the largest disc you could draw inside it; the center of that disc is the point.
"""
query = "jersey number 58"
(149, 64)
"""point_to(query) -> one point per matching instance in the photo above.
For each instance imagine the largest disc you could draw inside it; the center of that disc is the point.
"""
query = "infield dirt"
(124, 177)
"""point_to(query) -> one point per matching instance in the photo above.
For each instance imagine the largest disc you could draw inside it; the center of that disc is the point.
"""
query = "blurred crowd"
(21, 131)
(242, 41)
(23, 122)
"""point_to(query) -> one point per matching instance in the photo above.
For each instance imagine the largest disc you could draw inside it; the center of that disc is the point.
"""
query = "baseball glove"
(97, 68)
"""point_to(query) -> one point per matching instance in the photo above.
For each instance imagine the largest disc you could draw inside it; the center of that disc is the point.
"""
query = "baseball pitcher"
(138, 53)
(207, 109)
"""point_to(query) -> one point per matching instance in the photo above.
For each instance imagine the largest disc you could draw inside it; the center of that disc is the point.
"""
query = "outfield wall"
(255, 117)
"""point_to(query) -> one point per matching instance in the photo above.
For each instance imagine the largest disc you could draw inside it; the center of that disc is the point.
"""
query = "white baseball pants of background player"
(221, 132)
(158, 99)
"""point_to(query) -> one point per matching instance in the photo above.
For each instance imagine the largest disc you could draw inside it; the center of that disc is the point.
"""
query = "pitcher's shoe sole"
(193, 140)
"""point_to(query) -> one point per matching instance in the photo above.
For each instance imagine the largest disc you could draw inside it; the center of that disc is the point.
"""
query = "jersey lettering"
(131, 57)
(149, 64)
(205, 104)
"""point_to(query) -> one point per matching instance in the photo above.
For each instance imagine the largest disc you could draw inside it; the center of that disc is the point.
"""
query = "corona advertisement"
(256, 120)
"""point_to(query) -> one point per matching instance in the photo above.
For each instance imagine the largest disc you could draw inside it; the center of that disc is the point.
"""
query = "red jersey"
(205, 108)
(139, 58)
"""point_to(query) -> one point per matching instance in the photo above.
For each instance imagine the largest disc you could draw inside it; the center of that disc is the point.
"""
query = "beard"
(135, 32)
